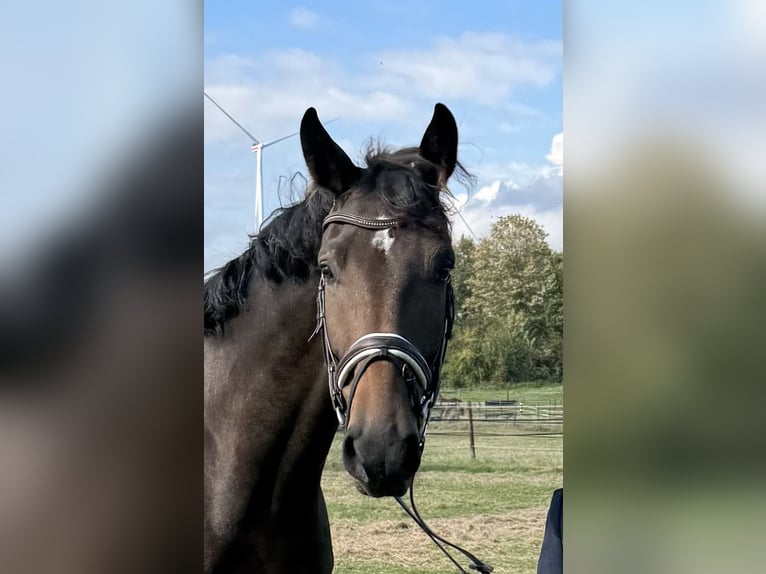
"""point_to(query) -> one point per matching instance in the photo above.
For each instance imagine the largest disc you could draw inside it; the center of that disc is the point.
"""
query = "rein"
(476, 564)
(415, 369)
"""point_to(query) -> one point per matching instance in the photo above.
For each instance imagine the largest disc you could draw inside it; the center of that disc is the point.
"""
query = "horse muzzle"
(383, 464)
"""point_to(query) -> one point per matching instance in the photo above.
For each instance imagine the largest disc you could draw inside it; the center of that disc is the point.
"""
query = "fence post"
(470, 431)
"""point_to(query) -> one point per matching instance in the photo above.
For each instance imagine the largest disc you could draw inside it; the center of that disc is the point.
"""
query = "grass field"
(521, 392)
(494, 505)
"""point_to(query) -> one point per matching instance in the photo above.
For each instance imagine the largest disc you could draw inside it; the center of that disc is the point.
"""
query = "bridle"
(422, 378)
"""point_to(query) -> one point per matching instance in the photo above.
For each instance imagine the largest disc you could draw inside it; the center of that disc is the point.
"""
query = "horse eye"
(325, 270)
(444, 267)
(444, 274)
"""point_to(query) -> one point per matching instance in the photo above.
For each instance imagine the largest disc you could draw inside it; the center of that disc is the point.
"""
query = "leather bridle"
(421, 377)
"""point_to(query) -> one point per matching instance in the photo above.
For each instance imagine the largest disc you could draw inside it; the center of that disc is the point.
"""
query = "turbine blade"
(228, 115)
(272, 142)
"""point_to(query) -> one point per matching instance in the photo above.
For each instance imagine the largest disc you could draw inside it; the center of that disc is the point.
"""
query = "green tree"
(464, 250)
(510, 324)
(553, 317)
(513, 264)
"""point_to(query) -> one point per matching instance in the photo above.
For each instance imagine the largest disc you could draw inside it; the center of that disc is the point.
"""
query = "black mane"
(287, 246)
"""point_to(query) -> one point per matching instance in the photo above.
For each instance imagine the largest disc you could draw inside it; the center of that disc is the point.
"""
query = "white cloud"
(556, 155)
(489, 193)
(532, 191)
(481, 67)
(480, 221)
(270, 90)
(268, 94)
(304, 18)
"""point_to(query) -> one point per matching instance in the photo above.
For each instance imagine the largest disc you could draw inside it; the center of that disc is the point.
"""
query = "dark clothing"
(552, 552)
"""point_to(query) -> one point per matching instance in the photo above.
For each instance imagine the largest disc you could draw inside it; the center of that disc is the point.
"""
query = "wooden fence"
(498, 411)
(494, 420)
(501, 418)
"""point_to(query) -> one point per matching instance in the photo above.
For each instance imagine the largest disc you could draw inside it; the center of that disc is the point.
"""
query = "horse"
(347, 290)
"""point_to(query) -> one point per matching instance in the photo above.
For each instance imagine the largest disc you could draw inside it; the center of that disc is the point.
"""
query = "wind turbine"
(257, 148)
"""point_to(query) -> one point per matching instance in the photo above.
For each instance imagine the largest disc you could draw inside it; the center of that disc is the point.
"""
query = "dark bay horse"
(349, 290)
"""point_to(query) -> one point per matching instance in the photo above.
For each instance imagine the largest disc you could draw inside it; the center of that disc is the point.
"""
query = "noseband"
(421, 377)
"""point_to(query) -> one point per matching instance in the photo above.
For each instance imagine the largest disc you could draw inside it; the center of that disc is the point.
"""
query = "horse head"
(385, 297)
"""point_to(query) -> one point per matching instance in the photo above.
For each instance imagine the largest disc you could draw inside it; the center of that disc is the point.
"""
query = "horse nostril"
(352, 462)
(349, 452)
(411, 460)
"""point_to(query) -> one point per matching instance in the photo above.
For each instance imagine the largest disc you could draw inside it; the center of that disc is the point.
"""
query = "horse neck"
(272, 380)
(269, 424)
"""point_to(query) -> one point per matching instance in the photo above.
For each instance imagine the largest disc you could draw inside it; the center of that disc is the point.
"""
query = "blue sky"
(380, 67)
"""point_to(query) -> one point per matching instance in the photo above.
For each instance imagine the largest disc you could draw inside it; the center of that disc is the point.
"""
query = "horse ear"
(439, 143)
(328, 164)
